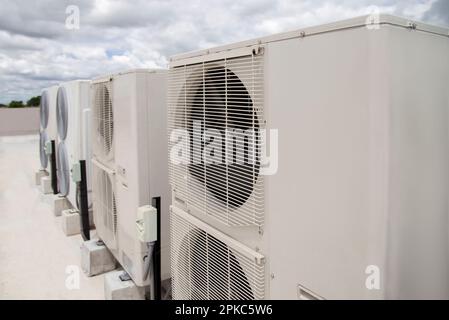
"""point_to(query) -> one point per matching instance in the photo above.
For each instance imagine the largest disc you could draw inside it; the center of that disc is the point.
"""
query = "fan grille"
(104, 204)
(206, 268)
(63, 172)
(62, 112)
(44, 109)
(103, 121)
(224, 96)
(42, 154)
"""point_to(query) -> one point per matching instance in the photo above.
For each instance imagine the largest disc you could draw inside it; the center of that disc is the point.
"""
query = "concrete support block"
(46, 185)
(60, 204)
(70, 222)
(95, 258)
(38, 176)
(117, 289)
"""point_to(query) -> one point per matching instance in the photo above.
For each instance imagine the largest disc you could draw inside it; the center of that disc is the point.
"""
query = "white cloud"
(36, 50)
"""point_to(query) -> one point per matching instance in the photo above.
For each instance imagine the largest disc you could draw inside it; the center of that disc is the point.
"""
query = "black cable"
(54, 179)
(156, 203)
(83, 205)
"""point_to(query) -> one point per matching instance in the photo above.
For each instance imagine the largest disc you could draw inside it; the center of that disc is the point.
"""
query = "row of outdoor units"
(311, 164)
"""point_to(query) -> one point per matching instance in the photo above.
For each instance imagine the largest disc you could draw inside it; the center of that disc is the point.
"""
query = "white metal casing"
(48, 129)
(51, 129)
(362, 114)
(77, 142)
(136, 164)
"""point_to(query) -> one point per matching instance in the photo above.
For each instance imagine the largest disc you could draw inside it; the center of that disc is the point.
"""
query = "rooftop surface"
(37, 259)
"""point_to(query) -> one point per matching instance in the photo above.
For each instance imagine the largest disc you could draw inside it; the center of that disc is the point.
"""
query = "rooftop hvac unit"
(74, 150)
(130, 174)
(351, 202)
(48, 133)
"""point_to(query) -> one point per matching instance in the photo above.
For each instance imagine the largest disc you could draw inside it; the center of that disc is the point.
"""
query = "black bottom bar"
(83, 204)
(54, 178)
(156, 203)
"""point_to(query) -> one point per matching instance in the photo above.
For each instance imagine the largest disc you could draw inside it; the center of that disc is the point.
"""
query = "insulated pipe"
(156, 203)
(84, 205)
(54, 179)
(148, 259)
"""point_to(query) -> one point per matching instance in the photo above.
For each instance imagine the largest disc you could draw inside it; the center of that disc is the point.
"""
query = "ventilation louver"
(43, 138)
(44, 110)
(63, 169)
(225, 100)
(62, 112)
(207, 264)
(103, 121)
(105, 204)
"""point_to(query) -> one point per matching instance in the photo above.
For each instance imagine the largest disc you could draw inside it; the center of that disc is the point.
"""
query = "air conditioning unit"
(48, 133)
(351, 202)
(130, 173)
(74, 149)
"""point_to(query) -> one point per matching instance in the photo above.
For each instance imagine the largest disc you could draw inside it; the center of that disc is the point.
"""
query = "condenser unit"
(339, 187)
(74, 150)
(48, 134)
(130, 173)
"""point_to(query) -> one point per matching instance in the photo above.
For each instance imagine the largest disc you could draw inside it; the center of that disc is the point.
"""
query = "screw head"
(272, 276)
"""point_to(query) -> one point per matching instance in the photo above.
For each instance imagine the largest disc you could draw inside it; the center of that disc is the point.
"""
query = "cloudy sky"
(38, 50)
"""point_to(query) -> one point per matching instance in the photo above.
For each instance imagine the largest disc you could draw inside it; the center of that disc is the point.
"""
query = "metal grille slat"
(103, 121)
(104, 206)
(206, 266)
(223, 94)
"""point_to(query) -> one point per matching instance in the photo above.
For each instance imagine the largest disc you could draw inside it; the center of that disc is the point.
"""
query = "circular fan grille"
(225, 280)
(61, 113)
(43, 156)
(105, 198)
(221, 102)
(44, 109)
(63, 170)
(104, 119)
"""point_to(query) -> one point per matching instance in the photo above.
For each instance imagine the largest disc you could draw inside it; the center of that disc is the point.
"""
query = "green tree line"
(33, 102)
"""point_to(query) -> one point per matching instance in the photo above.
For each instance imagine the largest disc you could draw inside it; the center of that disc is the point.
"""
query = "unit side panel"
(72, 140)
(52, 128)
(85, 130)
(158, 157)
(418, 247)
(126, 104)
(318, 91)
(73, 127)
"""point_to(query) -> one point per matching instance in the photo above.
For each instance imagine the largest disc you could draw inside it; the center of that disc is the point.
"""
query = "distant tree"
(3, 105)
(34, 101)
(16, 104)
